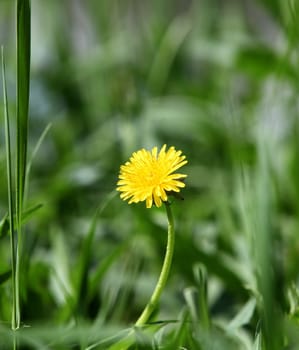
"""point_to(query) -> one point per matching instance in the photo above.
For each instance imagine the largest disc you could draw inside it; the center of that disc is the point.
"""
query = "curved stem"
(152, 304)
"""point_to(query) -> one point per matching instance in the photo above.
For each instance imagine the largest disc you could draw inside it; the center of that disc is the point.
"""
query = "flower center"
(153, 177)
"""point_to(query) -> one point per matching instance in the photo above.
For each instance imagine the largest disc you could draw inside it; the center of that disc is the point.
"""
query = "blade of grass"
(201, 279)
(259, 211)
(13, 238)
(30, 160)
(167, 51)
(263, 247)
(28, 213)
(85, 256)
(23, 74)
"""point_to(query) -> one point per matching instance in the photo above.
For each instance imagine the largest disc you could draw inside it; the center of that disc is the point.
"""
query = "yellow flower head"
(148, 176)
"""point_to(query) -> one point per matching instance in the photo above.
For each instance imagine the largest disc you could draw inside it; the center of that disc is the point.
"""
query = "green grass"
(216, 79)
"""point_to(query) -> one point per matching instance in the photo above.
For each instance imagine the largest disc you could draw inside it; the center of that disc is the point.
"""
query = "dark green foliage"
(218, 80)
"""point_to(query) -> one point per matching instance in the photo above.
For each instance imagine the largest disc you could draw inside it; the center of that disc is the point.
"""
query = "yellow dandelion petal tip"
(150, 176)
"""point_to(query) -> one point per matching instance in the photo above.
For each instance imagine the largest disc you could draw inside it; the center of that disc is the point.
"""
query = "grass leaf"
(23, 83)
(13, 238)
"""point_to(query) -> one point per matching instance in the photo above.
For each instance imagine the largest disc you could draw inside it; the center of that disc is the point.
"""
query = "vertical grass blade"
(266, 273)
(30, 160)
(10, 196)
(23, 75)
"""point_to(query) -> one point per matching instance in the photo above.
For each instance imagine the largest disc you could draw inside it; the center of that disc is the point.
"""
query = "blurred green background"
(218, 79)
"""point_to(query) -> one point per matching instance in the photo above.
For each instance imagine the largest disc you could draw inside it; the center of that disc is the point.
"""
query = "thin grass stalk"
(264, 256)
(13, 238)
(23, 74)
(30, 160)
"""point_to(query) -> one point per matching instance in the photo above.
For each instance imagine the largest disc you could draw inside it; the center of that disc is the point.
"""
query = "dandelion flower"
(149, 176)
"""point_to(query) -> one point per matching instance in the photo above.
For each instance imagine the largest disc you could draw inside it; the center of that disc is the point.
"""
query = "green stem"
(152, 304)
(124, 344)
